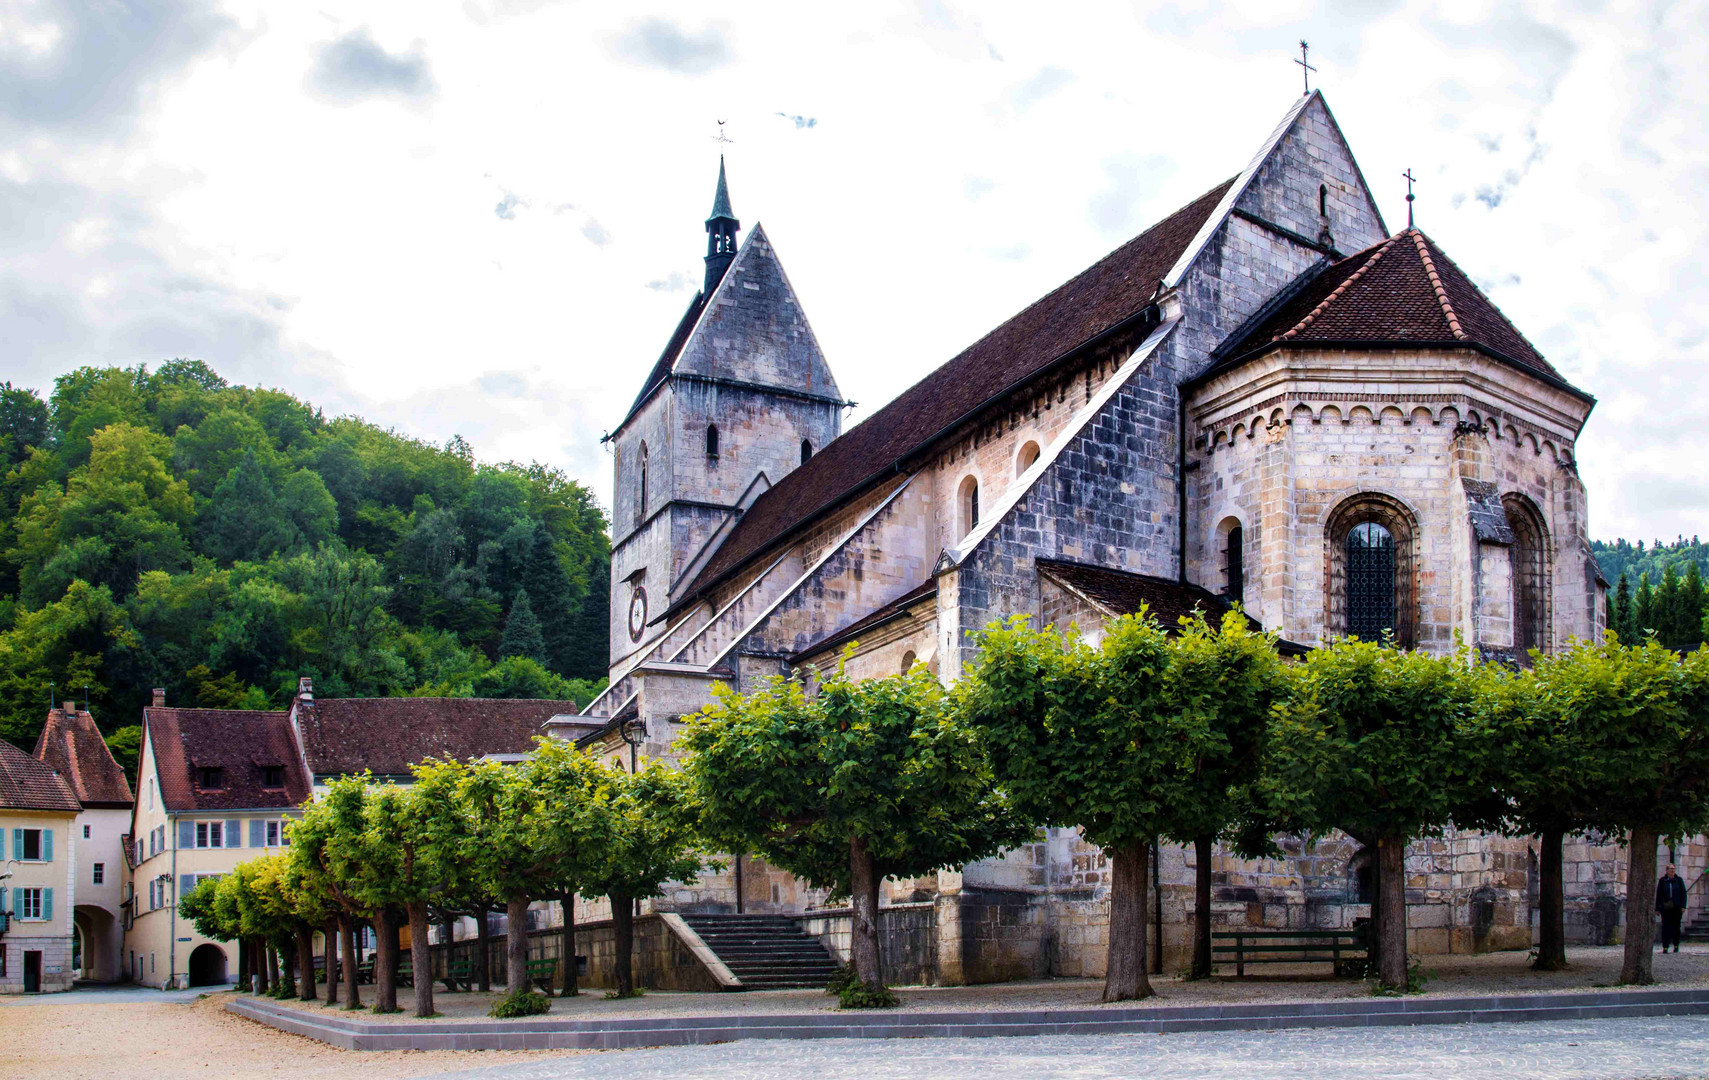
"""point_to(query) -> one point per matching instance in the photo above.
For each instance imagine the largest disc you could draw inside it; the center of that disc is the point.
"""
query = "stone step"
(765, 952)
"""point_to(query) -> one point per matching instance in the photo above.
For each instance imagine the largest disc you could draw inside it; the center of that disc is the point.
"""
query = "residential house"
(38, 875)
(72, 745)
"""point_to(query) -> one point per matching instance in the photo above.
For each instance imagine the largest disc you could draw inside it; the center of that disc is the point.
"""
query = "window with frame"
(29, 903)
(1370, 570)
(85, 832)
(29, 845)
(273, 831)
(210, 778)
(273, 776)
(1234, 565)
(210, 834)
(1370, 581)
(98, 874)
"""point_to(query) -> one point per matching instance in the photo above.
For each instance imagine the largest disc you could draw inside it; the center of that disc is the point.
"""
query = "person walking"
(1670, 901)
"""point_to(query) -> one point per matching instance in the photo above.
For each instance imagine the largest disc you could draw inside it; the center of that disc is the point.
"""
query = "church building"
(1266, 398)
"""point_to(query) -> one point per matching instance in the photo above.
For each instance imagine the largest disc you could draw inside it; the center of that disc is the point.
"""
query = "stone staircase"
(766, 952)
(1696, 928)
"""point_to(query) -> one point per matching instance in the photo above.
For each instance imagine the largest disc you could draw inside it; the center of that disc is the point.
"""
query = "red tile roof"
(386, 736)
(72, 745)
(239, 743)
(1402, 291)
(1116, 288)
(28, 784)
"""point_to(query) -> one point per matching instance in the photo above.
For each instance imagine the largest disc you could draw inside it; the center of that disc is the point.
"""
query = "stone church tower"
(740, 397)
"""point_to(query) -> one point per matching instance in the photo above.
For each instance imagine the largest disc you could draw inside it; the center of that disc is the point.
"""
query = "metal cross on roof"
(1409, 196)
(1305, 68)
(721, 137)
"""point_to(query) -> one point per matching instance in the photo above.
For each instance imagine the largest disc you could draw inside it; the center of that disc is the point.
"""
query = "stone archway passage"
(208, 966)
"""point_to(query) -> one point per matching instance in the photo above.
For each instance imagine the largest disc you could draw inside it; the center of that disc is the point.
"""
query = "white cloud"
(354, 67)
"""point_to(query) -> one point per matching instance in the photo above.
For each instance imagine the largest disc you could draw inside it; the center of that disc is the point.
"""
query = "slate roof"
(72, 745)
(1166, 599)
(667, 359)
(238, 742)
(1401, 291)
(28, 784)
(1117, 287)
(387, 735)
(882, 614)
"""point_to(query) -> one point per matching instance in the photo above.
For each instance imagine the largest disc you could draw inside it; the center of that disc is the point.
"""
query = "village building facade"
(38, 875)
(1267, 398)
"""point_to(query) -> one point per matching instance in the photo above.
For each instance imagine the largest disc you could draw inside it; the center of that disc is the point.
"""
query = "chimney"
(160, 697)
(68, 708)
(306, 688)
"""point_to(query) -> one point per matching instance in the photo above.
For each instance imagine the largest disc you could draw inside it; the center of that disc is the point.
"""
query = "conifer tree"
(1666, 608)
(1622, 617)
(1690, 609)
(1643, 609)
(522, 634)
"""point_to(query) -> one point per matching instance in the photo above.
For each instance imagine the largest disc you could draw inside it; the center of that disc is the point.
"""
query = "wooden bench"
(406, 969)
(461, 971)
(540, 973)
(1287, 947)
(365, 971)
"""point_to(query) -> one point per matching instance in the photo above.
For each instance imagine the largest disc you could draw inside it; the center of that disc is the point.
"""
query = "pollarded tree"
(1221, 685)
(1640, 724)
(311, 908)
(867, 780)
(1104, 740)
(499, 801)
(1380, 744)
(408, 851)
(650, 840)
(574, 830)
(317, 842)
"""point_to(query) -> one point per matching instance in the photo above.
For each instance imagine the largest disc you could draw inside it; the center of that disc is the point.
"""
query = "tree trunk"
(385, 961)
(243, 965)
(483, 950)
(273, 965)
(421, 958)
(623, 928)
(287, 969)
(1391, 920)
(516, 943)
(567, 948)
(330, 946)
(1551, 905)
(259, 950)
(864, 950)
(1124, 970)
(1202, 847)
(1637, 969)
(352, 990)
(305, 962)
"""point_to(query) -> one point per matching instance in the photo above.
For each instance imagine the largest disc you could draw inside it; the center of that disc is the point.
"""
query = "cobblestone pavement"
(1588, 1050)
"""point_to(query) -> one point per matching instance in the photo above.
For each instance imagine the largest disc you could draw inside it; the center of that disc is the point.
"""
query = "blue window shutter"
(47, 845)
(186, 833)
(47, 904)
(233, 834)
(257, 833)
(17, 843)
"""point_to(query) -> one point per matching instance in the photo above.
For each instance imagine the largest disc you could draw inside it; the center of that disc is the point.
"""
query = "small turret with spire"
(721, 230)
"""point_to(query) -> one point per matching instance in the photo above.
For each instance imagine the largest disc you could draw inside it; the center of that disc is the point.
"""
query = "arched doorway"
(97, 957)
(208, 966)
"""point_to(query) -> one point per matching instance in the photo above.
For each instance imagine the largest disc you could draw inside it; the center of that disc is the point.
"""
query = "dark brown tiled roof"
(387, 735)
(72, 745)
(667, 359)
(882, 614)
(28, 784)
(1167, 600)
(1117, 287)
(240, 743)
(1402, 291)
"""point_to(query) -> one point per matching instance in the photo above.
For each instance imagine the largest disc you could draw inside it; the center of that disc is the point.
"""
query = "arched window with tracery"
(1530, 574)
(1371, 595)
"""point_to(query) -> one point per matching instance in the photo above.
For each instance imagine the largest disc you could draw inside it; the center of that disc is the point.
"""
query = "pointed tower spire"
(721, 230)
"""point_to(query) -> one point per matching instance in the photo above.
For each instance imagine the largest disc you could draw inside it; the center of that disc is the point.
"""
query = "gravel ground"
(1450, 976)
(141, 1041)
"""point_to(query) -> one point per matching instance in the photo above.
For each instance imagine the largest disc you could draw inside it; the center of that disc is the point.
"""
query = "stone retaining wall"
(662, 961)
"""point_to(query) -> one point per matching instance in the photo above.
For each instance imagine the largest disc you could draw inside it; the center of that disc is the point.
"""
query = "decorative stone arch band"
(1401, 523)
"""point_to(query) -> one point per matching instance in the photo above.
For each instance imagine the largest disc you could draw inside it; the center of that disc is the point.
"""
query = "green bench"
(1242, 947)
(406, 969)
(462, 971)
(540, 973)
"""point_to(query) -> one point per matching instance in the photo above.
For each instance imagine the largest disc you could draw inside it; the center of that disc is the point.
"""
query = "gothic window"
(711, 440)
(1024, 460)
(1234, 566)
(1370, 571)
(1530, 574)
(1323, 200)
(967, 503)
(641, 493)
(806, 451)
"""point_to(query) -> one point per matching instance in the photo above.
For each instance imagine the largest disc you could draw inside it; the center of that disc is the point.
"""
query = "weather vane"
(1409, 196)
(1305, 68)
(722, 138)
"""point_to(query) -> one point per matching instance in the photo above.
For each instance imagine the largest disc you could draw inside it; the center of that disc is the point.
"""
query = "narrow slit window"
(1323, 200)
(806, 451)
(711, 440)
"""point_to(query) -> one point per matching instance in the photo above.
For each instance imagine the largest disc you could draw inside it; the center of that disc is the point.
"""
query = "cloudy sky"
(485, 217)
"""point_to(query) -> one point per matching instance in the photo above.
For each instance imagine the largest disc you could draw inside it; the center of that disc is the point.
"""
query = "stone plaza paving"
(1616, 1049)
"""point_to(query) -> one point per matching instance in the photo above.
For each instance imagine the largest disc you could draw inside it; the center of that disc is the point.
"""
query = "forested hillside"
(1641, 560)
(163, 528)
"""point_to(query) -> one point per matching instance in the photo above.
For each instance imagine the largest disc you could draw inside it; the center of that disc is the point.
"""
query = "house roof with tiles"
(385, 736)
(1403, 291)
(1106, 296)
(72, 745)
(29, 784)
(244, 746)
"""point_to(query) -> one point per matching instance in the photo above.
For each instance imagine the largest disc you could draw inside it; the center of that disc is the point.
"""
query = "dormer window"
(209, 778)
(273, 776)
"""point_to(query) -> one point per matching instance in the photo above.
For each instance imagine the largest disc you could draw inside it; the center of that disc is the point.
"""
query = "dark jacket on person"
(1670, 894)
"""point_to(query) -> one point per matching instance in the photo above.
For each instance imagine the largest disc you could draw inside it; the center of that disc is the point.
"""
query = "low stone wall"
(907, 939)
(662, 960)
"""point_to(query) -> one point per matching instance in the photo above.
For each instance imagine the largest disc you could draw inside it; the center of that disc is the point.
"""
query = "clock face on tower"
(637, 613)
